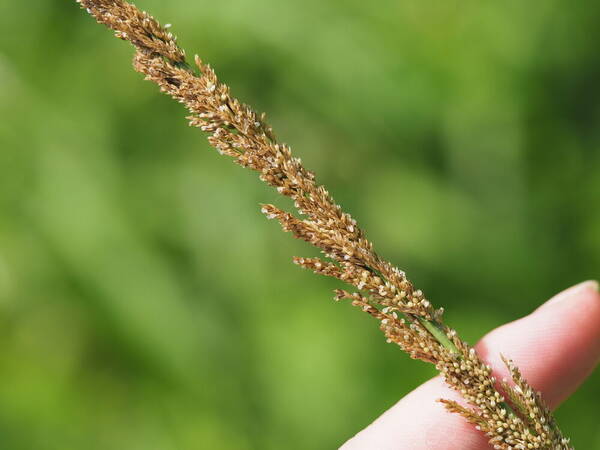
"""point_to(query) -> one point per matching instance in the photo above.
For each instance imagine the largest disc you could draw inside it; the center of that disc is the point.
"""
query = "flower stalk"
(436, 330)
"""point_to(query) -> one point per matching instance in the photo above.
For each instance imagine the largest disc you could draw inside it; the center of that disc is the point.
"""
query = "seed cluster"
(406, 317)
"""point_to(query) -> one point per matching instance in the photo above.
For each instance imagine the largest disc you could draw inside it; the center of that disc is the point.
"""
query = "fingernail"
(572, 292)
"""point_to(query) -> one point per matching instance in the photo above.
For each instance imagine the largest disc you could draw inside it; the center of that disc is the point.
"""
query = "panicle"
(406, 317)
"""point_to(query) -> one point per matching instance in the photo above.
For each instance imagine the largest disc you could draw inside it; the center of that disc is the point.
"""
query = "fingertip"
(585, 289)
(556, 347)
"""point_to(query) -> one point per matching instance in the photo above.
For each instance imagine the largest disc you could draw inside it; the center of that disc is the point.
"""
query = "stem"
(432, 326)
(438, 333)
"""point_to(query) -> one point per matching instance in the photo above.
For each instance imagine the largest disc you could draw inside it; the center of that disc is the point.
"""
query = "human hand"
(556, 347)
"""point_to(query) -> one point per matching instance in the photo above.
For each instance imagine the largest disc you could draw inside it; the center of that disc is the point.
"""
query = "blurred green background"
(145, 303)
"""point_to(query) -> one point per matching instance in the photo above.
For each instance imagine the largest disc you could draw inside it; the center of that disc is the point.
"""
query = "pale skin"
(556, 347)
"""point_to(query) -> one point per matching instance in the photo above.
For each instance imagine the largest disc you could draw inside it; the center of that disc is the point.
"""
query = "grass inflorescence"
(512, 414)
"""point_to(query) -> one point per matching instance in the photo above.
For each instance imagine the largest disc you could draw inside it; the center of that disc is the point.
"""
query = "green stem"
(437, 332)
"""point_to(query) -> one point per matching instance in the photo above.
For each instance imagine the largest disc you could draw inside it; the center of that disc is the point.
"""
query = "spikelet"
(406, 317)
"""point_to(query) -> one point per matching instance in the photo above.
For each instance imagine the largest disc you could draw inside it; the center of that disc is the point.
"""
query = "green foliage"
(145, 303)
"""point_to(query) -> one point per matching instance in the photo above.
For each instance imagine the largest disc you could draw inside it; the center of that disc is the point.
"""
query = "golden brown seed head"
(382, 290)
